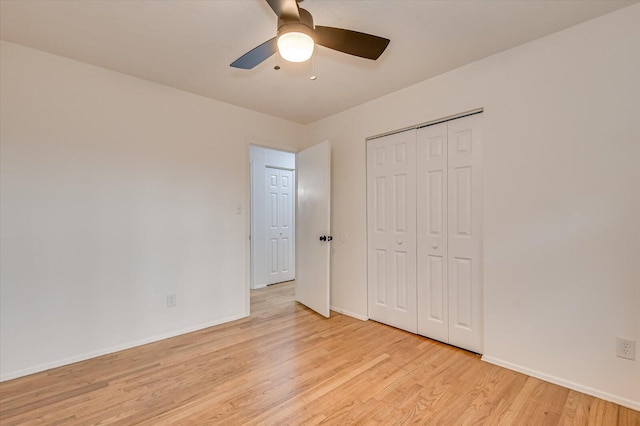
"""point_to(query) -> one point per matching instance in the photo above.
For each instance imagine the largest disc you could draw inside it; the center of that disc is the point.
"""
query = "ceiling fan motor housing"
(304, 25)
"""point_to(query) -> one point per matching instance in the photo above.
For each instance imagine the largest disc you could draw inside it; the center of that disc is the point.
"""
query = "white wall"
(562, 204)
(261, 158)
(115, 192)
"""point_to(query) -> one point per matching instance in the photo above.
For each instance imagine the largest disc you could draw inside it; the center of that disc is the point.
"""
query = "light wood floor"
(287, 365)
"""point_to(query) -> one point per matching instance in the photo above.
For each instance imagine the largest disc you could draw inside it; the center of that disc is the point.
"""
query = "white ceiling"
(190, 44)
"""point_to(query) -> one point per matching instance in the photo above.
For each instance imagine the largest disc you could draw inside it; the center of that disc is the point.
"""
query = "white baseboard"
(348, 313)
(82, 357)
(634, 405)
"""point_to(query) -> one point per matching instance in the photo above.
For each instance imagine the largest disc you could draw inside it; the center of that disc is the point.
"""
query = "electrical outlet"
(626, 348)
(171, 300)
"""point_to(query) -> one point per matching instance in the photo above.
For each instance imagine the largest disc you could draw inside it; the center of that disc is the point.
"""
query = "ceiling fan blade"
(352, 42)
(256, 55)
(285, 9)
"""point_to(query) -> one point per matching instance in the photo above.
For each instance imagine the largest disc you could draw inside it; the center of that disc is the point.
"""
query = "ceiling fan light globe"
(295, 46)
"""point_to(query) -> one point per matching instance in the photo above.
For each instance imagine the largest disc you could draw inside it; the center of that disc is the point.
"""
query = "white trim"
(634, 405)
(348, 313)
(83, 357)
(429, 123)
(259, 286)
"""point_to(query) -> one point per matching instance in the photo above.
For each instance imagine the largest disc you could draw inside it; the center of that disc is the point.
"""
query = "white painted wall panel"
(115, 192)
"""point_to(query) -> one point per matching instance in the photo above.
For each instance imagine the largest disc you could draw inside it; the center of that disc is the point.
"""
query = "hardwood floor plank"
(286, 365)
(576, 409)
(500, 384)
(603, 413)
(628, 417)
(544, 406)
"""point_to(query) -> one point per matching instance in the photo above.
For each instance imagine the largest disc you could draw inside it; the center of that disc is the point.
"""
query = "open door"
(312, 227)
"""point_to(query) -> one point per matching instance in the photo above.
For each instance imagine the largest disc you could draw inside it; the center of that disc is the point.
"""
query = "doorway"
(272, 232)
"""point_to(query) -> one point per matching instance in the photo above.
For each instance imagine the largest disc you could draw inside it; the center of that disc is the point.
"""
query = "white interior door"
(433, 297)
(313, 166)
(391, 206)
(465, 232)
(280, 206)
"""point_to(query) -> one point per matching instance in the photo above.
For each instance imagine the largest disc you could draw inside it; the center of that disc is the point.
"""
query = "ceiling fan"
(297, 36)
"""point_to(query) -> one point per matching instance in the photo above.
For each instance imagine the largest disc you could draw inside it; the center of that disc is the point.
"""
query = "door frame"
(247, 202)
(257, 233)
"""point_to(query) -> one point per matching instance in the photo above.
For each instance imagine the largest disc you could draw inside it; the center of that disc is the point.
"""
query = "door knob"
(329, 238)
(400, 242)
(435, 246)
(323, 238)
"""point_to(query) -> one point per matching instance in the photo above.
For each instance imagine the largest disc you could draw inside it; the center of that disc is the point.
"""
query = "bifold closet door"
(465, 232)
(433, 293)
(449, 202)
(424, 219)
(391, 222)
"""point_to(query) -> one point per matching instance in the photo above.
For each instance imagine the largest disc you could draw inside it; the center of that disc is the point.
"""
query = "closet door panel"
(465, 233)
(432, 278)
(391, 207)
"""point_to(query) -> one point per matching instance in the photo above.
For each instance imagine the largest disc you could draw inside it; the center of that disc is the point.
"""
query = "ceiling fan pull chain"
(313, 68)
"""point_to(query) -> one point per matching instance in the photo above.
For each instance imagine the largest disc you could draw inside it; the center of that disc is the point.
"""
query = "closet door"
(433, 298)
(465, 232)
(391, 206)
